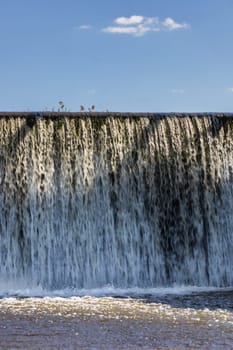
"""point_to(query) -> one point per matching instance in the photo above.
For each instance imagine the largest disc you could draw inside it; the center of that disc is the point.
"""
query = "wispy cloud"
(230, 89)
(178, 91)
(170, 24)
(140, 25)
(85, 27)
(139, 30)
(91, 92)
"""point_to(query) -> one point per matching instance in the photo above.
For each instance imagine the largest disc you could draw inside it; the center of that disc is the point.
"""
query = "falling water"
(125, 201)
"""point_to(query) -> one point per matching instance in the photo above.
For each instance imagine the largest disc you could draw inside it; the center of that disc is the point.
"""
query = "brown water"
(195, 321)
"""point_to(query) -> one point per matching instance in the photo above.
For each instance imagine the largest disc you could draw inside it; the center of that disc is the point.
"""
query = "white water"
(124, 203)
(116, 323)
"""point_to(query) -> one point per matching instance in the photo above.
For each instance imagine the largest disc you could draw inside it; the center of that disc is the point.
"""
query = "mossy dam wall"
(126, 200)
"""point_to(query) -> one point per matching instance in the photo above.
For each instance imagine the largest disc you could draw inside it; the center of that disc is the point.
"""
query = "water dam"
(122, 200)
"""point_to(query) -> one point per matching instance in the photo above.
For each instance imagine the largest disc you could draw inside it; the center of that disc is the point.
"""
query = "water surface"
(156, 320)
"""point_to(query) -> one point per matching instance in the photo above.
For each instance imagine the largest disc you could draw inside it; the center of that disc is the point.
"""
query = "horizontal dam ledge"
(103, 115)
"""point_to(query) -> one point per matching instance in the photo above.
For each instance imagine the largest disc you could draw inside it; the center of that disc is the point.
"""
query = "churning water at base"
(190, 321)
(89, 202)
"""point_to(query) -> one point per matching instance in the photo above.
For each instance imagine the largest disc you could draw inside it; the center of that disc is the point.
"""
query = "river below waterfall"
(180, 319)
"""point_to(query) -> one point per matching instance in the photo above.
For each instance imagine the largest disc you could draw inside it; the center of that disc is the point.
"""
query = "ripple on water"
(156, 321)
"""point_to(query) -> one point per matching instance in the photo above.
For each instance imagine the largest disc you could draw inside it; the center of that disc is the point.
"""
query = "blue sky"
(125, 55)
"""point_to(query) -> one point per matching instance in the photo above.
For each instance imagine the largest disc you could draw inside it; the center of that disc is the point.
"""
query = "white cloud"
(230, 89)
(140, 25)
(85, 27)
(139, 30)
(120, 30)
(170, 24)
(129, 20)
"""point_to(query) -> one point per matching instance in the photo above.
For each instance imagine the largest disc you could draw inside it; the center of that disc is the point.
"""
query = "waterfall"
(126, 201)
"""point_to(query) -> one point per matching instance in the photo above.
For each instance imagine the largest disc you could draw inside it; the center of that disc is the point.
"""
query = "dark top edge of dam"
(103, 115)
